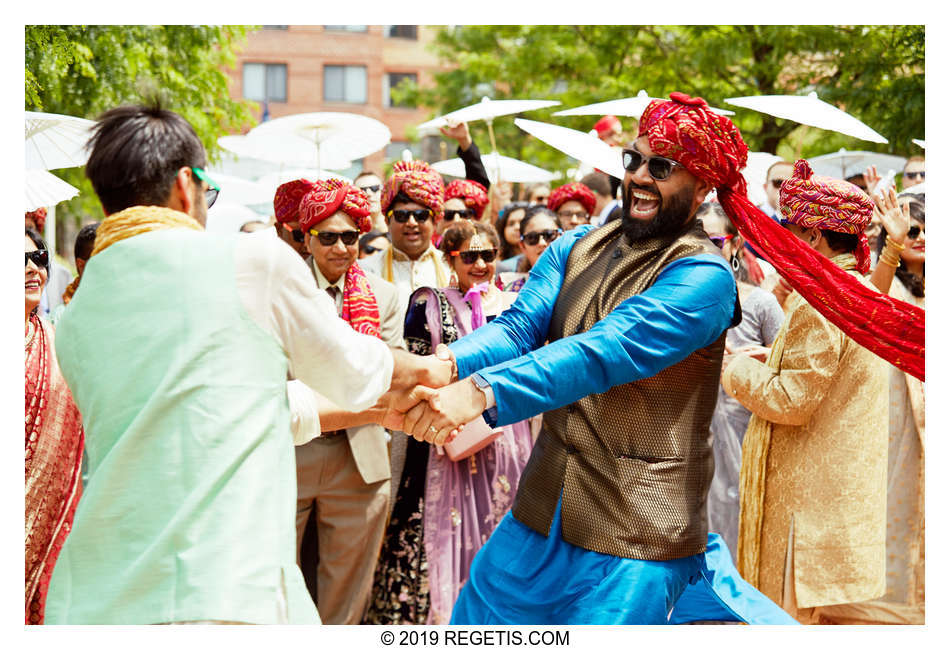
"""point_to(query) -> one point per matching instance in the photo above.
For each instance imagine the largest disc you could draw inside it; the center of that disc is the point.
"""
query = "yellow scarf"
(137, 220)
(439, 273)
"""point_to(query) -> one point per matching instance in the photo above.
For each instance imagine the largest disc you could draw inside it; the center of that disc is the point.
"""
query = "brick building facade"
(340, 68)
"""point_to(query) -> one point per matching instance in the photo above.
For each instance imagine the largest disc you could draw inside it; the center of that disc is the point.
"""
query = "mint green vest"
(189, 513)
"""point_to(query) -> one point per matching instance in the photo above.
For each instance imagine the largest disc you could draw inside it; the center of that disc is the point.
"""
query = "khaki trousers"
(350, 517)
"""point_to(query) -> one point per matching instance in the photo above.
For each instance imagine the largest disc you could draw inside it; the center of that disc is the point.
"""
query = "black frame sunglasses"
(914, 232)
(467, 213)
(777, 182)
(659, 168)
(402, 216)
(40, 257)
(369, 189)
(349, 237)
(470, 257)
(296, 233)
(533, 238)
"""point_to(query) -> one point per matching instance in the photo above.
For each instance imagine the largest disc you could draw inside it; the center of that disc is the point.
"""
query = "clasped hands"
(426, 403)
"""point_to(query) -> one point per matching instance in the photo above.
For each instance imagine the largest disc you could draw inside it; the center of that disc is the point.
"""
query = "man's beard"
(670, 218)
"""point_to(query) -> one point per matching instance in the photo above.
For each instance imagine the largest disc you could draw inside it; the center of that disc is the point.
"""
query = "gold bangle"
(893, 245)
(890, 260)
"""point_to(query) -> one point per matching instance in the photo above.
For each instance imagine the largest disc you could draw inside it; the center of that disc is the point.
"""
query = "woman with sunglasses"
(761, 319)
(54, 440)
(901, 248)
(444, 510)
(539, 228)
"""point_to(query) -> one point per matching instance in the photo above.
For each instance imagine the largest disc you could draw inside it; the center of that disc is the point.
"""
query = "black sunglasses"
(402, 216)
(370, 189)
(369, 250)
(211, 194)
(777, 182)
(469, 257)
(532, 238)
(40, 257)
(913, 175)
(325, 238)
(913, 233)
(660, 168)
(463, 214)
(296, 233)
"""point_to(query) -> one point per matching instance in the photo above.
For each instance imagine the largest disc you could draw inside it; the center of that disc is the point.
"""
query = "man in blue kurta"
(618, 338)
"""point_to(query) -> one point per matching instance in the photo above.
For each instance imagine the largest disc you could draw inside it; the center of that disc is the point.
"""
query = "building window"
(345, 28)
(390, 82)
(402, 31)
(344, 83)
(265, 82)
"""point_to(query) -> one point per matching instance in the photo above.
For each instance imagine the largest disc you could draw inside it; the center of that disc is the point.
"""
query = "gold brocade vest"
(634, 462)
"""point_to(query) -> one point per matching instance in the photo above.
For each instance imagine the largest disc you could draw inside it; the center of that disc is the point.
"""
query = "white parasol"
(576, 144)
(228, 217)
(628, 107)
(281, 149)
(240, 190)
(920, 143)
(487, 109)
(43, 189)
(56, 141)
(809, 110)
(335, 136)
(844, 163)
(511, 169)
(270, 182)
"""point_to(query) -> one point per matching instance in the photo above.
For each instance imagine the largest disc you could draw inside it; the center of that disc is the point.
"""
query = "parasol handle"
(494, 149)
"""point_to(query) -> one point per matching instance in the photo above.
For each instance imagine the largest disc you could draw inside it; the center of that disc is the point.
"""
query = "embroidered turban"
(419, 182)
(472, 193)
(572, 192)
(332, 196)
(812, 201)
(606, 124)
(39, 217)
(711, 148)
(287, 199)
(708, 145)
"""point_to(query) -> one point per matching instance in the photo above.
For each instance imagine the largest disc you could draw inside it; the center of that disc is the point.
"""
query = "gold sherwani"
(814, 475)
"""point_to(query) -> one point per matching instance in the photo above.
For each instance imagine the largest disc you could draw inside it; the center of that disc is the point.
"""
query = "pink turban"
(332, 196)
(419, 182)
(572, 192)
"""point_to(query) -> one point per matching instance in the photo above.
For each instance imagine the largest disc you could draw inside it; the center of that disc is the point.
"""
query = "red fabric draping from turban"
(827, 203)
(39, 217)
(287, 199)
(332, 196)
(572, 192)
(606, 124)
(419, 182)
(472, 193)
(711, 148)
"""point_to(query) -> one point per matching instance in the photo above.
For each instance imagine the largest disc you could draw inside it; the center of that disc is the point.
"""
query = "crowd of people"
(636, 401)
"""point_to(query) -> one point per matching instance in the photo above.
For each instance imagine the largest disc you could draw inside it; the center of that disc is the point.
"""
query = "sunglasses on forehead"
(296, 233)
(41, 258)
(532, 238)
(659, 168)
(402, 216)
(349, 237)
(450, 215)
(470, 257)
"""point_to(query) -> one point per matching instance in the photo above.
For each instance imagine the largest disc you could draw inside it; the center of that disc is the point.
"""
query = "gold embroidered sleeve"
(791, 393)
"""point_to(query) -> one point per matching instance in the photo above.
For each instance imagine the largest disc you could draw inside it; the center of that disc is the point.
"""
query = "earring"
(734, 261)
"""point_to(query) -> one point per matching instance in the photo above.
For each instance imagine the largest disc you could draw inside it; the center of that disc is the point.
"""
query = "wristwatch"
(491, 408)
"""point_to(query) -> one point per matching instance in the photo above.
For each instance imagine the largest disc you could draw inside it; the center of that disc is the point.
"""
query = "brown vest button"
(617, 254)
(571, 449)
(571, 408)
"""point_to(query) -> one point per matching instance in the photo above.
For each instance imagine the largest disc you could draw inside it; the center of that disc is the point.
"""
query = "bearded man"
(609, 521)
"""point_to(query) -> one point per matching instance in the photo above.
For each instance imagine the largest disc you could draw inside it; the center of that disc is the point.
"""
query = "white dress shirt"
(430, 270)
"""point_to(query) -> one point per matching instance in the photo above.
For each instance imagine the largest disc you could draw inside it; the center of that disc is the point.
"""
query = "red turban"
(572, 192)
(38, 216)
(287, 199)
(419, 182)
(711, 148)
(606, 124)
(828, 203)
(332, 196)
(472, 193)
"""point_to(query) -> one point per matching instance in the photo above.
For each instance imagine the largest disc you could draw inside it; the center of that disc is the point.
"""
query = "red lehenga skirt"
(54, 443)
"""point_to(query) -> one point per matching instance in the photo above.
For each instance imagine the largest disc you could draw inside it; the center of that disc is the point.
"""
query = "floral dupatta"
(54, 443)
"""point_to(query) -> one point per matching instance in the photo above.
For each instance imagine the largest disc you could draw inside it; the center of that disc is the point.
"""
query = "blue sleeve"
(687, 308)
(523, 326)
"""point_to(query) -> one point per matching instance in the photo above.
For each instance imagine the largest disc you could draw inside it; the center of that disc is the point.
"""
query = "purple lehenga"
(440, 522)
